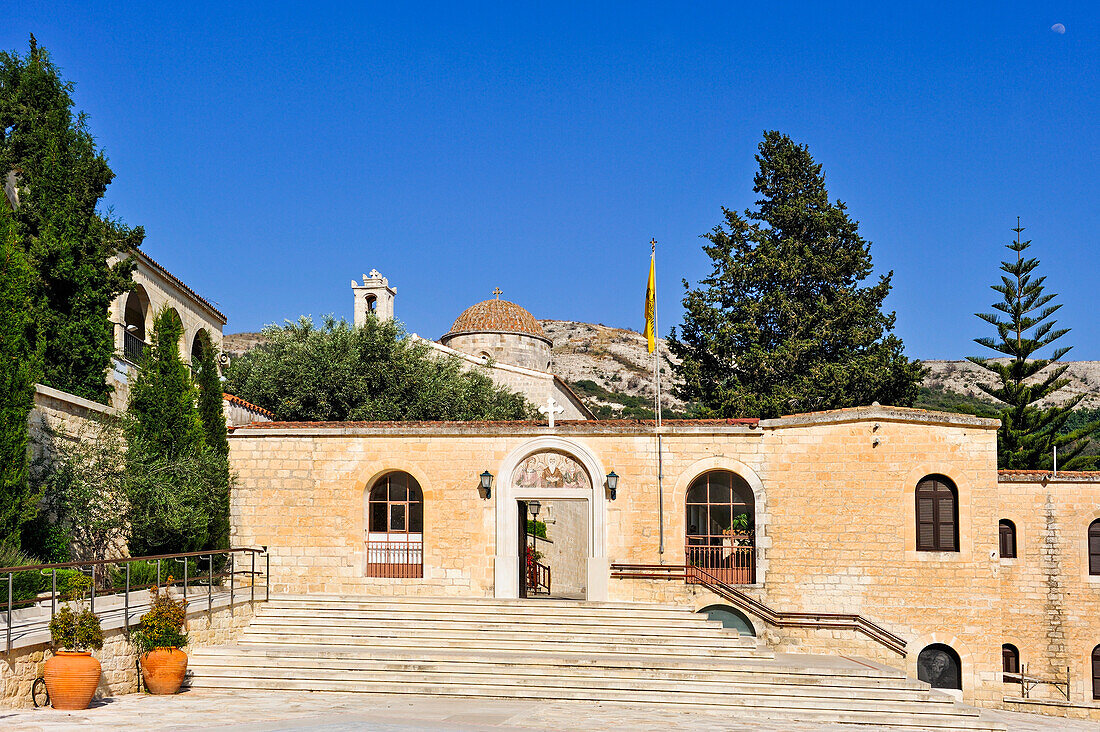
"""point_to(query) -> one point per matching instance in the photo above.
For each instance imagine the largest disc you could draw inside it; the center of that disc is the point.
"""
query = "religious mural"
(550, 470)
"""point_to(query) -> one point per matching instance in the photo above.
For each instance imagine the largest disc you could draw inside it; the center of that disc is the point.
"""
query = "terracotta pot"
(163, 670)
(71, 679)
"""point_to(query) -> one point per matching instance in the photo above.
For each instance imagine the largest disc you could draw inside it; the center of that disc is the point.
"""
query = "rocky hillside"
(612, 370)
(963, 377)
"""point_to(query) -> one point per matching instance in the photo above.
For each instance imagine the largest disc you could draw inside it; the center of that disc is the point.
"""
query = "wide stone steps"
(605, 652)
(759, 668)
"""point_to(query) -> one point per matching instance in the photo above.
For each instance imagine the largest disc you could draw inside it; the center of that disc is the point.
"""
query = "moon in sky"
(1058, 28)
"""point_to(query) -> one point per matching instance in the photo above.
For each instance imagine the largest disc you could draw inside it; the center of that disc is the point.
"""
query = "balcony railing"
(729, 558)
(538, 578)
(399, 559)
(133, 348)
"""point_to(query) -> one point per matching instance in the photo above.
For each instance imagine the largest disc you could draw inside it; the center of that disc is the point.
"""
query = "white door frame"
(506, 561)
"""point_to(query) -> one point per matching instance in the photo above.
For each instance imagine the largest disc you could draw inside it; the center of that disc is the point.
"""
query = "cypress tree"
(171, 478)
(162, 397)
(784, 323)
(78, 256)
(1029, 433)
(20, 364)
(212, 415)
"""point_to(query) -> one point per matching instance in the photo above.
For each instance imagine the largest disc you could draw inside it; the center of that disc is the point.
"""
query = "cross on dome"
(498, 292)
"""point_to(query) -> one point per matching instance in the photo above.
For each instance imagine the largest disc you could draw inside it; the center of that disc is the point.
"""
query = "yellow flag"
(651, 305)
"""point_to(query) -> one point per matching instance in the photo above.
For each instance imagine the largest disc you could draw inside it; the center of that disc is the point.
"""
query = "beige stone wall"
(1050, 604)
(156, 288)
(57, 414)
(510, 348)
(834, 516)
(118, 658)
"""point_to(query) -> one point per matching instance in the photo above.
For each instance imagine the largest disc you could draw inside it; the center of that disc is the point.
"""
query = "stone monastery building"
(878, 532)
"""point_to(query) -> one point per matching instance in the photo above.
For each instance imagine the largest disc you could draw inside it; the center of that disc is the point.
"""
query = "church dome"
(497, 316)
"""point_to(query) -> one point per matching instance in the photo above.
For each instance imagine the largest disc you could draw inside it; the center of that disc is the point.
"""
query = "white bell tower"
(374, 296)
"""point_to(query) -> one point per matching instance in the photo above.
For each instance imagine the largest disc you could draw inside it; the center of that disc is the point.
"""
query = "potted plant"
(159, 639)
(72, 675)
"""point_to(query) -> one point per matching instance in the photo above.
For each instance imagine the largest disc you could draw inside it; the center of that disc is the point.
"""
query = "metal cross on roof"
(498, 292)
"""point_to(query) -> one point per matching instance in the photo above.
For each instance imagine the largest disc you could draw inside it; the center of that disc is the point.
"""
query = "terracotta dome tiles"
(497, 316)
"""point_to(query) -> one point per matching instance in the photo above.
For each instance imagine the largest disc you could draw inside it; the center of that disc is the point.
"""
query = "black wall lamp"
(612, 483)
(487, 483)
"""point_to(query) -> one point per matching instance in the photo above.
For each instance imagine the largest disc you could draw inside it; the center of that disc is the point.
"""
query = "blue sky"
(275, 152)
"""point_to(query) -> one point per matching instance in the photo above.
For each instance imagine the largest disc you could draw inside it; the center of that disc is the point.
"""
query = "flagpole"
(657, 410)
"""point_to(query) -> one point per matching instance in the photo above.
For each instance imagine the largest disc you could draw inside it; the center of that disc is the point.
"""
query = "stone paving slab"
(332, 712)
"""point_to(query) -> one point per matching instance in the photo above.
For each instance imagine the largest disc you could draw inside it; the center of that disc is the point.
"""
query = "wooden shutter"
(1008, 539)
(1094, 547)
(937, 523)
(926, 516)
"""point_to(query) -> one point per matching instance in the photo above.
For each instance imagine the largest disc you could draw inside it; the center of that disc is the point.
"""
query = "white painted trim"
(506, 560)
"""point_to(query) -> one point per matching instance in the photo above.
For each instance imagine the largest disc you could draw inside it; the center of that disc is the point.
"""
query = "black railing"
(132, 347)
(110, 577)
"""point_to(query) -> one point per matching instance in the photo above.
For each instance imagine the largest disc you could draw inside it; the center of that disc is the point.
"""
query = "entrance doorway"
(554, 548)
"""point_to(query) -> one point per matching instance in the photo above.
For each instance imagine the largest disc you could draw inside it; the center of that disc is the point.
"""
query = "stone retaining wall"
(118, 658)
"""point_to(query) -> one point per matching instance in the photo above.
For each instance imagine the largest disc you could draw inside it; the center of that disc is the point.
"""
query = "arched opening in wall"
(1096, 672)
(395, 527)
(1094, 547)
(134, 313)
(372, 305)
(730, 617)
(1007, 531)
(937, 515)
(939, 665)
(196, 346)
(485, 355)
(720, 538)
(1010, 661)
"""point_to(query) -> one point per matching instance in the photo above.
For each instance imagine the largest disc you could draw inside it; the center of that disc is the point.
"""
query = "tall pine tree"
(783, 323)
(20, 365)
(1029, 433)
(61, 178)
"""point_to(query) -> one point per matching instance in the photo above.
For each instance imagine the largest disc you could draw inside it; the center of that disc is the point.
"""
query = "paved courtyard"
(264, 711)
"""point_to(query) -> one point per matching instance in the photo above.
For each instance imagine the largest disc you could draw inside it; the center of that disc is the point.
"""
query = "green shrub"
(77, 630)
(25, 585)
(162, 626)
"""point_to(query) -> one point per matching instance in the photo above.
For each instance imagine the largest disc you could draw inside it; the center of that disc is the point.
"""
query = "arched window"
(937, 515)
(395, 527)
(1008, 539)
(372, 304)
(720, 521)
(1094, 547)
(1096, 672)
(1010, 659)
(940, 666)
(133, 321)
(730, 617)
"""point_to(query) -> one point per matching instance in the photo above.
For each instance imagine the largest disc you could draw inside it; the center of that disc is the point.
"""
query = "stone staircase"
(546, 649)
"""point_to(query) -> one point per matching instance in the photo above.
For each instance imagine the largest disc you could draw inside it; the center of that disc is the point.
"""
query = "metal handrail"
(780, 619)
(93, 564)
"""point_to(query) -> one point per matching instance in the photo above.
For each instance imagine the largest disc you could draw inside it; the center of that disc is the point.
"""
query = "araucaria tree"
(20, 364)
(50, 161)
(784, 322)
(1030, 433)
(373, 372)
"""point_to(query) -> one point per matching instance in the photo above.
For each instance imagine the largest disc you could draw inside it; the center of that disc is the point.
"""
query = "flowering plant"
(162, 626)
